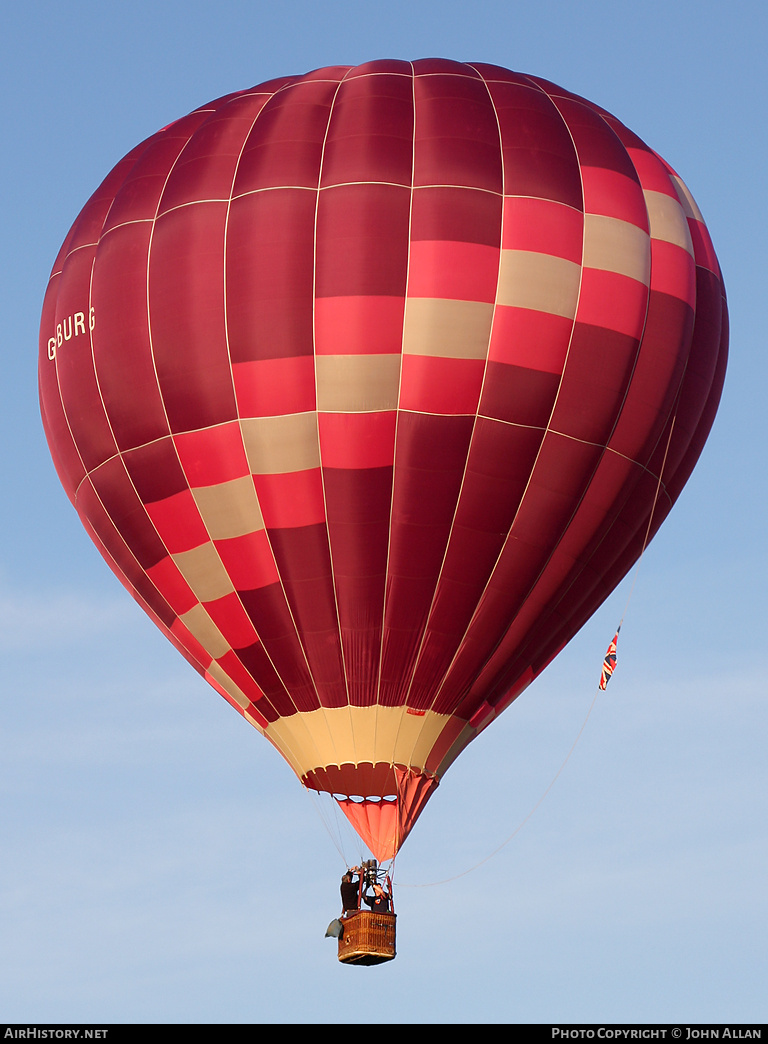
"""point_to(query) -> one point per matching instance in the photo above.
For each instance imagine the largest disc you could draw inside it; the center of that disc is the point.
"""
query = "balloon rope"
(520, 826)
(329, 820)
(650, 517)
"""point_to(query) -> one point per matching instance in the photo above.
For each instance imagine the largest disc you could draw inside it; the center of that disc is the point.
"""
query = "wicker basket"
(368, 937)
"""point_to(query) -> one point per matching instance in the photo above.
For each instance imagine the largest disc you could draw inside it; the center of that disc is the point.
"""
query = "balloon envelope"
(363, 382)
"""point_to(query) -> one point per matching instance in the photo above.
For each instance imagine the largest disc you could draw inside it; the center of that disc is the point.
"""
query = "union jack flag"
(609, 663)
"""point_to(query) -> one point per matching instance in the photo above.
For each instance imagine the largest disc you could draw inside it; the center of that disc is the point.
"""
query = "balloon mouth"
(382, 818)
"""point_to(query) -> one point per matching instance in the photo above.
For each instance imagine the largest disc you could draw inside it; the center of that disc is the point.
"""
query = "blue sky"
(160, 863)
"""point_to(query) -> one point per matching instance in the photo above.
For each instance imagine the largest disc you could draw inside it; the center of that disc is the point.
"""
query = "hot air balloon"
(365, 384)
